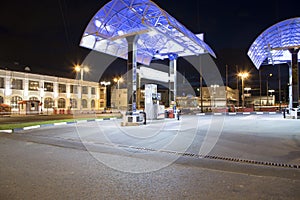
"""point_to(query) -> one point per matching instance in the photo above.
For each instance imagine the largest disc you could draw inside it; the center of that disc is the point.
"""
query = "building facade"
(55, 94)
(212, 97)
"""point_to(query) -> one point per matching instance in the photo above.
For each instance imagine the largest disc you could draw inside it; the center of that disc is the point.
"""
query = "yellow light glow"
(86, 69)
(77, 68)
(243, 74)
(119, 79)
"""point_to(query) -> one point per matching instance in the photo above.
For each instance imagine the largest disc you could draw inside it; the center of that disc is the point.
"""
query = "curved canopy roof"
(273, 43)
(159, 33)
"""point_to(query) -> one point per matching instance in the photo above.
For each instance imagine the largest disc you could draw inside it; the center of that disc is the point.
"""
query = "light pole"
(105, 83)
(214, 93)
(270, 75)
(118, 80)
(243, 75)
(81, 69)
(272, 91)
(42, 92)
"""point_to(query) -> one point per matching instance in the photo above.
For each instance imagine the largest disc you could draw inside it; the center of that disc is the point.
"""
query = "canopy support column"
(131, 72)
(294, 80)
(172, 73)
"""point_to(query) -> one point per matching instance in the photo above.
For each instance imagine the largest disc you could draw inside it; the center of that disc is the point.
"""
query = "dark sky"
(45, 35)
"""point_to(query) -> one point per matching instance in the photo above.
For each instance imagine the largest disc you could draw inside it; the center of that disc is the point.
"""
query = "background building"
(54, 94)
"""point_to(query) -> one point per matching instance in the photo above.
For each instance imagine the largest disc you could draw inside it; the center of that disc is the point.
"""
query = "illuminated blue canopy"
(273, 44)
(159, 33)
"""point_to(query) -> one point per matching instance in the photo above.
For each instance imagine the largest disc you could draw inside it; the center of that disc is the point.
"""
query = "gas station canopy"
(273, 44)
(159, 33)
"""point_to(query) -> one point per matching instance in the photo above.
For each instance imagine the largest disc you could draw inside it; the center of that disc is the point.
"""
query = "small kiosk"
(29, 107)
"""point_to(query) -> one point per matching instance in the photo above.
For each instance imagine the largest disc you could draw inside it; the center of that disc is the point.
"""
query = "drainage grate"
(212, 157)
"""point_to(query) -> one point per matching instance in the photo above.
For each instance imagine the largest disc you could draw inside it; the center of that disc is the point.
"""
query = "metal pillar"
(131, 72)
(138, 96)
(173, 73)
(243, 94)
(295, 80)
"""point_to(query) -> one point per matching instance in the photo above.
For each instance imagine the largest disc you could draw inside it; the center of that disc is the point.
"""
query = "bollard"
(145, 118)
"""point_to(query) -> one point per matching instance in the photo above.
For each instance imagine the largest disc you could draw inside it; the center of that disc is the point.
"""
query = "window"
(62, 88)
(93, 104)
(61, 103)
(93, 90)
(73, 103)
(33, 85)
(17, 84)
(84, 89)
(14, 101)
(84, 103)
(1, 82)
(48, 87)
(73, 89)
(48, 102)
(33, 99)
(1, 99)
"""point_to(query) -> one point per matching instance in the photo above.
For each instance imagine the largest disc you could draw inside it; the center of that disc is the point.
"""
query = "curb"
(54, 124)
(238, 113)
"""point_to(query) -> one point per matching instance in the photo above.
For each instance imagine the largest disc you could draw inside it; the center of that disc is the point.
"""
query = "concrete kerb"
(239, 113)
(9, 131)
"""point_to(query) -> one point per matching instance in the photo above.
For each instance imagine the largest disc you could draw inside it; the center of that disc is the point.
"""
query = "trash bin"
(171, 114)
(166, 114)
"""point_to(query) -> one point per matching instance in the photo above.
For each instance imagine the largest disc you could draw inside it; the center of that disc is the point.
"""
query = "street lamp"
(81, 69)
(105, 83)
(270, 75)
(118, 80)
(243, 75)
(272, 91)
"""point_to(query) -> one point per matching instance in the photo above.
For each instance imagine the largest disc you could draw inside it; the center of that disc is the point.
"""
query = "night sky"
(45, 35)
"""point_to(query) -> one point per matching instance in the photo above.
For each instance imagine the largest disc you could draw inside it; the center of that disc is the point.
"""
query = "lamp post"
(243, 75)
(81, 69)
(270, 75)
(105, 83)
(214, 93)
(118, 80)
(42, 93)
(272, 91)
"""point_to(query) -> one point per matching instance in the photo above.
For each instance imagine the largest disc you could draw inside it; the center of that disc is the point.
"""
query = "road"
(102, 160)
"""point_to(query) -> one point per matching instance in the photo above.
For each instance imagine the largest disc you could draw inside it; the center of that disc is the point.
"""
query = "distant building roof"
(272, 45)
(159, 33)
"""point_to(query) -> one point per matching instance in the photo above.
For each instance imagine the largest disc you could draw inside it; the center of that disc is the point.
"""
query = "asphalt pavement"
(166, 159)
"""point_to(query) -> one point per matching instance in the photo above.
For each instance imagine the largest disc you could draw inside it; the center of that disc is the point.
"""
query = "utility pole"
(226, 86)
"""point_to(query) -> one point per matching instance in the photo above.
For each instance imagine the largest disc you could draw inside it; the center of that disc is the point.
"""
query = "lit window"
(17, 84)
(14, 101)
(1, 82)
(33, 85)
(48, 102)
(84, 103)
(73, 103)
(62, 88)
(93, 104)
(93, 90)
(61, 103)
(48, 87)
(33, 99)
(84, 90)
(73, 89)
